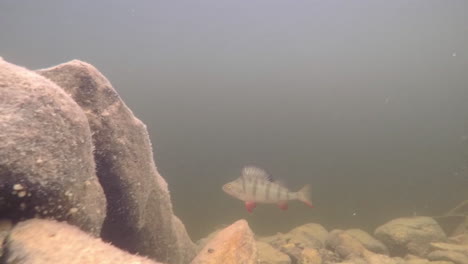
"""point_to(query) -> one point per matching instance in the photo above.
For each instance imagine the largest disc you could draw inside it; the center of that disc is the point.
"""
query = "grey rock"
(139, 218)
(43, 241)
(368, 241)
(269, 255)
(410, 235)
(47, 167)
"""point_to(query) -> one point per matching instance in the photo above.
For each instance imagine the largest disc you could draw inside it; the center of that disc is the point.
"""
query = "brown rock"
(5, 227)
(269, 255)
(350, 249)
(345, 245)
(411, 235)
(445, 255)
(311, 256)
(47, 167)
(44, 241)
(368, 241)
(232, 245)
(139, 218)
(306, 236)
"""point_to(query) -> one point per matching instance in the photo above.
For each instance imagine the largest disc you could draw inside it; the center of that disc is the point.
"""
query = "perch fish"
(256, 186)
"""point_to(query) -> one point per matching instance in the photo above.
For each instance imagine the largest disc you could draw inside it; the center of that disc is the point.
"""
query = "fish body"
(256, 186)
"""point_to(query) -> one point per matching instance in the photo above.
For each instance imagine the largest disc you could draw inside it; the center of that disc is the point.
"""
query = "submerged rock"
(293, 243)
(410, 235)
(47, 167)
(350, 249)
(445, 255)
(345, 245)
(139, 218)
(306, 236)
(44, 241)
(368, 241)
(449, 252)
(232, 245)
(269, 255)
(5, 227)
(311, 256)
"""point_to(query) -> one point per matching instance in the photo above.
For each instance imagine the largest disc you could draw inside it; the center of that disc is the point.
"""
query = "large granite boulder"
(47, 167)
(233, 245)
(139, 218)
(43, 241)
(411, 235)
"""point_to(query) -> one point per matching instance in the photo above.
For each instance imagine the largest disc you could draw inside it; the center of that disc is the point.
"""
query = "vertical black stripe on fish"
(243, 184)
(254, 187)
(267, 191)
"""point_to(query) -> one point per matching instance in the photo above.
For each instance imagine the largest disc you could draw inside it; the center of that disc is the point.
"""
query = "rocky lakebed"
(78, 184)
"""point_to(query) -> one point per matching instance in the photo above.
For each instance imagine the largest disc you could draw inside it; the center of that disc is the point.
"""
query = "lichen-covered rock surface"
(44, 241)
(234, 244)
(47, 167)
(139, 213)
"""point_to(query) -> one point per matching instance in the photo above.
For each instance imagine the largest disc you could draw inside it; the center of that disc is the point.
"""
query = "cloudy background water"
(367, 101)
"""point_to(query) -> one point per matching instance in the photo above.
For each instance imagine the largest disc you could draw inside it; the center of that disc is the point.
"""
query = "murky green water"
(366, 101)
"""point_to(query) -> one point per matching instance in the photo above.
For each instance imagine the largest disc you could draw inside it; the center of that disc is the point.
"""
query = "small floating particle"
(22, 206)
(210, 250)
(73, 210)
(22, 194)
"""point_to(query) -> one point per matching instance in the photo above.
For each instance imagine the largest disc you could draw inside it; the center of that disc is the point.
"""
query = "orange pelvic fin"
(250, 206)
(283, 205)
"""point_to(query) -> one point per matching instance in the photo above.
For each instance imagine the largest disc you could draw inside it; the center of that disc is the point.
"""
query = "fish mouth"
(226, 189)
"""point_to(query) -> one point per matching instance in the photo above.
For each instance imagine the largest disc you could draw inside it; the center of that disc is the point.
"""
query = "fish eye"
(228, 186)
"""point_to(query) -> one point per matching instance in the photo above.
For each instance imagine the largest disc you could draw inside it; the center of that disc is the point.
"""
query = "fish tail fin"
(303, 195)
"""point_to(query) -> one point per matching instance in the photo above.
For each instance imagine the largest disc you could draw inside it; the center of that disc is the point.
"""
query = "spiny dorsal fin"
(255, 172)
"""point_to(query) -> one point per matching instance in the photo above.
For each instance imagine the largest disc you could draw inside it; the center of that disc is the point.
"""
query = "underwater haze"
(366, 101)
